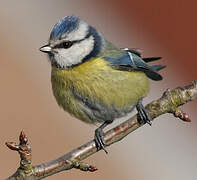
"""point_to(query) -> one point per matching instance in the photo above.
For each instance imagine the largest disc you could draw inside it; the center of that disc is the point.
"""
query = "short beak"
(46, 49)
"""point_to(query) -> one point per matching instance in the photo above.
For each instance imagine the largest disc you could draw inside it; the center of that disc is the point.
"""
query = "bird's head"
(72, 42)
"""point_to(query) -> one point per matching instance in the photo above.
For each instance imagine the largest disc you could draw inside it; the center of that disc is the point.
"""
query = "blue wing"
(132, 61)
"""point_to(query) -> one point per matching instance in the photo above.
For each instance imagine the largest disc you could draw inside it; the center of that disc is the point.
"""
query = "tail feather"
(150, 59)
(158, 67)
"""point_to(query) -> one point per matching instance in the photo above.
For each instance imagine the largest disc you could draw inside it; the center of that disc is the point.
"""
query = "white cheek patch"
(78, 34)
(75, 54)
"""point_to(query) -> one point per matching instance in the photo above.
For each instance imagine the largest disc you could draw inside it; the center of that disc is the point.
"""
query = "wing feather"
(132, 61)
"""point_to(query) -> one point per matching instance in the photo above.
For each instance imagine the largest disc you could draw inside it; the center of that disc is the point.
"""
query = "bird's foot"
(143, 115)
(99, 140)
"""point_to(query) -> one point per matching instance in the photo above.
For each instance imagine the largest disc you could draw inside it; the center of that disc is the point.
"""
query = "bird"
(94, 80)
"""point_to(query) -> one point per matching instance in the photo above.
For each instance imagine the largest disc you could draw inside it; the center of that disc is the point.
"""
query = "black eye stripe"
(68, 44)
(65, 44)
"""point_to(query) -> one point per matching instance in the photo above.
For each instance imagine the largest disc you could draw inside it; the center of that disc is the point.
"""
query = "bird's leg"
(99, 136)
(142, 115)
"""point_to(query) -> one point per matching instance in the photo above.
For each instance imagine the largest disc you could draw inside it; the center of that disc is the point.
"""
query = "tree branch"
(168, 103)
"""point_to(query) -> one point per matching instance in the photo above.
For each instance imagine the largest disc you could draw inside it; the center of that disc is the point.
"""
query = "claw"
(143, 115)
(99, 136)
(99, 140)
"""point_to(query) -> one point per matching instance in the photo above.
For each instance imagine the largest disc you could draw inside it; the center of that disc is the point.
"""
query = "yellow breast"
(97, 81)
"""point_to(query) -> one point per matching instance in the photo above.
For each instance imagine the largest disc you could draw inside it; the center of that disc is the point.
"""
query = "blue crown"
(66, 24)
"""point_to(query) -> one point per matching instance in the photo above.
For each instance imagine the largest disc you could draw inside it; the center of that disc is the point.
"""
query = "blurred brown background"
(167, 150)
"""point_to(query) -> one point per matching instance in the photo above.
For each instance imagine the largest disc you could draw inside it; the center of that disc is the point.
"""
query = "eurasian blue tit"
(94, 80)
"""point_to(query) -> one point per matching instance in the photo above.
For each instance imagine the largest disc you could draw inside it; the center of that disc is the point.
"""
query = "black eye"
(66, 44)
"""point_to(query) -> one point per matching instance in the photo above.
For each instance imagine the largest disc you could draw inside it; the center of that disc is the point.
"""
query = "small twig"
(84, 167)
(181, 115)
(26, 170)
(24, 150)
(168, 103)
